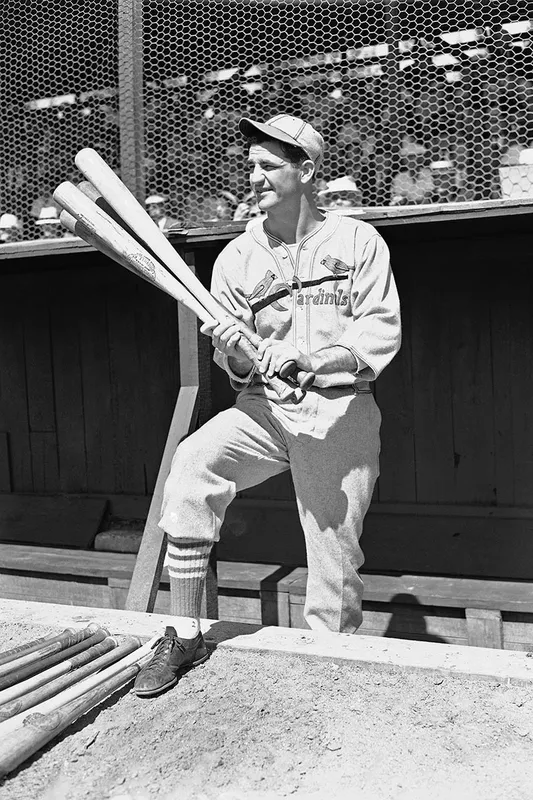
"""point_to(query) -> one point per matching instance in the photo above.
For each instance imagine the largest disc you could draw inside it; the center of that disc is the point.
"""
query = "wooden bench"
(478, 612)
(483, 613)
(247, 592)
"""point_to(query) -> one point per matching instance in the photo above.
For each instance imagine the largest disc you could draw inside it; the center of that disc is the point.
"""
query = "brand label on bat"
(144, 264)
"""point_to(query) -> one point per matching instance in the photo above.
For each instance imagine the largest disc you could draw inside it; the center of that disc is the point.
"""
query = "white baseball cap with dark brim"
(289, 129)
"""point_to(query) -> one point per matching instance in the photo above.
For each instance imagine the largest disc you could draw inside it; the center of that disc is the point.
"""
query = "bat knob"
(290, 370)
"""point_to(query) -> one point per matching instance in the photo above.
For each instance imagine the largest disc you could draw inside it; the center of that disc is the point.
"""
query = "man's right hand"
(225, 336)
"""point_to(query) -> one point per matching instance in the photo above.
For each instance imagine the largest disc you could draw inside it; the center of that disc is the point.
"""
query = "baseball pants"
(330, 442)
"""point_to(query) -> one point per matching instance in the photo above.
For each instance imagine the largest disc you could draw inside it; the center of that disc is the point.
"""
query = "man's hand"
(274, 354)
(225, 336)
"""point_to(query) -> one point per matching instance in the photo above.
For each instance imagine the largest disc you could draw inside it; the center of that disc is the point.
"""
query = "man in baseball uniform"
(319, 290)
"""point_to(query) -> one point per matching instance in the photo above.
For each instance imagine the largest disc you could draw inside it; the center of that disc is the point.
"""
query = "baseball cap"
(289, 129)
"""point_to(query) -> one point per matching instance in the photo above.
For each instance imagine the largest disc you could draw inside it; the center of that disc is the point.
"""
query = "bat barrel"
(40, 664)
(31, 647)
(39, 729)
(45, 697)
(68, 638)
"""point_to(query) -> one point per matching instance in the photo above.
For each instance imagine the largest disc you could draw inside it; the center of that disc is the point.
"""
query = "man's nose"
(256, 175)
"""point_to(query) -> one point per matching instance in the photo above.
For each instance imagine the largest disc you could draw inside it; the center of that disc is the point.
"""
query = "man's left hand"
(275, 353)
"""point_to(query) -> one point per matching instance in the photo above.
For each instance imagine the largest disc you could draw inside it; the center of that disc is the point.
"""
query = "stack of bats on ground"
(47, 684)
(103, 212)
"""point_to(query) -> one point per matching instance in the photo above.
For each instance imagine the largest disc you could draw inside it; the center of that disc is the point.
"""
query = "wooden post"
(485, 628)
(149, 563)
(130, 95)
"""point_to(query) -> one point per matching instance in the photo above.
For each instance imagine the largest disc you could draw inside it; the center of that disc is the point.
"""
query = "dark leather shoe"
(172, 655)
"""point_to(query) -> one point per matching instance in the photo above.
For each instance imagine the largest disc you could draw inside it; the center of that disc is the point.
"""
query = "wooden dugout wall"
(89, 376)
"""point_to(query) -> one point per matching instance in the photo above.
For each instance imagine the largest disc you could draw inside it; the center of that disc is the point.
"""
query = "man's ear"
(307, 168)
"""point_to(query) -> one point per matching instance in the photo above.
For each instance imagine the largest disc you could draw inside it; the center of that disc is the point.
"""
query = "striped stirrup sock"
(187, 561)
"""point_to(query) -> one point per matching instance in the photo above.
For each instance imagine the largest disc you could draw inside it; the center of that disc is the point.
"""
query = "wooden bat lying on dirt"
(28, 670)
(89, 221)
(116, 193)
(37, 729)
(16, 697)
(47, 698)
(31, 647)
(38, 652)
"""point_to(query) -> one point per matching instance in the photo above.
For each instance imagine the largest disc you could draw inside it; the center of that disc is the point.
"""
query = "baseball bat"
(99, 226)
(30, 647)
(41, 681)
(119, 197)
(110, 653)
(30, 669)
(288, 370)
(134, 258)
(38, 729)
(68, 638)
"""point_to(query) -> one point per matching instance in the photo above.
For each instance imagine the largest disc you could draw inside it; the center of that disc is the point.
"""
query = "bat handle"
(286, 391)
(304, 379)
(288, 370)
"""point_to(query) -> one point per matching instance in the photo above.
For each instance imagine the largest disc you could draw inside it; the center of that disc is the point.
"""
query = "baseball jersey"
(335, 287)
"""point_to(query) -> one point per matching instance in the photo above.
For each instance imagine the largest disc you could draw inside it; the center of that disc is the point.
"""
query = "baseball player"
(318, 288)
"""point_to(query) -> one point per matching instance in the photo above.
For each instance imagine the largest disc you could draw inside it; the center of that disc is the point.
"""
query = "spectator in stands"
(445, 180)
(10, 229)
(340, 193)
(49, 224)
(413, 184)
(248, 208)
(156, 205)
(217, 207)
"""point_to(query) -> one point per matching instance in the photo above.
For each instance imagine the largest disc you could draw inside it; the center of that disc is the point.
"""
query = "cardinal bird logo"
(263, 286)
(335, 265)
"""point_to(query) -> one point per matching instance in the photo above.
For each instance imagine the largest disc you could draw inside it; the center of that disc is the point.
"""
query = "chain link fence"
(419, 102)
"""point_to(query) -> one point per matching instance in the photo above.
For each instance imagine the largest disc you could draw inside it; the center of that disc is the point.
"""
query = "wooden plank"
(49, 590)
(481, 543)
(38, 357)
(50, 560)
(399, 621)
(502, 366)
(57, 521)
(96, 382)
(45, 464)
(156, 334)
(485, 628)
(472, 382)
(64, 312)
(450, 592)
(13, 389)
(394, 396)
(433, 297)
(5, 465)
(151, 555)
(126, 380)
(522, 391)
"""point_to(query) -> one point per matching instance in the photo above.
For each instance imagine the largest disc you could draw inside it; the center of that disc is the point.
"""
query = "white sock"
(187, 627)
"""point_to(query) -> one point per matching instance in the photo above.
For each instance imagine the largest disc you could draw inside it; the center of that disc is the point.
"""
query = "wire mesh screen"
(58, 89)
(419, 102)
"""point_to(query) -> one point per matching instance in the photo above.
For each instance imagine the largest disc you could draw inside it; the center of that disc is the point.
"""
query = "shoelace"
(163, 650)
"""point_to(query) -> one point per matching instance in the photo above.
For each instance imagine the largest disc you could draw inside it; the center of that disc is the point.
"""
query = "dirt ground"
(262, 726)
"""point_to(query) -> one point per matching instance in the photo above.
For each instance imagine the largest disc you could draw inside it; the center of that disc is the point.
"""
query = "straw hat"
(48, 215)
(344, 184)
(9, 221)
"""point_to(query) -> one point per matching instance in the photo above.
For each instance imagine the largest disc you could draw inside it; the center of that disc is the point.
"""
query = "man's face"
(275, 181)
(156, 210)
